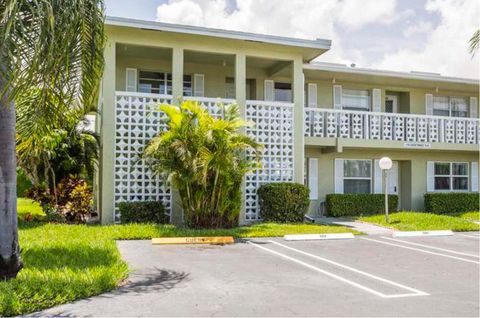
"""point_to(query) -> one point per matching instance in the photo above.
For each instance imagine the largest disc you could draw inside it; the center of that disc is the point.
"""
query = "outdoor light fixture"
(385, 164)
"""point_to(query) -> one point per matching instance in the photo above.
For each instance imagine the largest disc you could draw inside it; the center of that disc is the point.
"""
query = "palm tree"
(206, 160)
(474, 42)
(56, 47)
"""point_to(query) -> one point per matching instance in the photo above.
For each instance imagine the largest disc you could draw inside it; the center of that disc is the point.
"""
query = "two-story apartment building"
(323, 124)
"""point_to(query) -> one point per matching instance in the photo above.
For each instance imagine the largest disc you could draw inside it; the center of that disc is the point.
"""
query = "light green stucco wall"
(411, 99)
(114, 79)
(412, 163)
(412, 170)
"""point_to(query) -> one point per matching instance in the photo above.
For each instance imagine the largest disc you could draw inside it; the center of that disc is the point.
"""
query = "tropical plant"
(205, 158)
(56, 48)
(474, 43)
(47, 159)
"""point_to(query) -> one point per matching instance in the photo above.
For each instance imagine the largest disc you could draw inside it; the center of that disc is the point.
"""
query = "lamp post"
(385, 164)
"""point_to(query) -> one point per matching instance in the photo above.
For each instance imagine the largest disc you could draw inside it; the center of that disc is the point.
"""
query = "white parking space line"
(430, 247)
(471, 236)
(420, 250)
(349, 268)
(340, 278)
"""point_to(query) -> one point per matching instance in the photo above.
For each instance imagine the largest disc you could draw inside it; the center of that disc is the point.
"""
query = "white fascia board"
(228, 34)
(365, 71)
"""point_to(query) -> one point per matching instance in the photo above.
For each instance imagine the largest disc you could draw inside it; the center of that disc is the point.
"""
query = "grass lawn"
(471, 216)
(28, 209)
(68, 262)
(420, 221)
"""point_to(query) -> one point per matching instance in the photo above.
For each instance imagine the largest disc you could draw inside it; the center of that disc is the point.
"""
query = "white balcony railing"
(390, 126)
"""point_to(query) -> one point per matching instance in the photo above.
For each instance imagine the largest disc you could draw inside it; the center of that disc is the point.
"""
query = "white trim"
(198, 85)
(312, 93)
(329, 110)
(376, 100)
(370, 178)
(474, 176)
(312, 178)
(228, 34)
(473, 107)
(134, 72)
(321, 66)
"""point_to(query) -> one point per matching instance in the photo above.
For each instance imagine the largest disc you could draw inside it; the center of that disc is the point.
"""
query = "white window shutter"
(338, 175)
(430, 176)
(474, 176)
(131, 79)
(378, 180)
(312, 95)
(198, 85)
(313, 178)
(473, 107)
(376, 100)
(337, 96)
(268, 90)
(429, 104)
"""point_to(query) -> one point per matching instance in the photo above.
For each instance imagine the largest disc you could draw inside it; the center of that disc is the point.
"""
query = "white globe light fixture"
(385, 164)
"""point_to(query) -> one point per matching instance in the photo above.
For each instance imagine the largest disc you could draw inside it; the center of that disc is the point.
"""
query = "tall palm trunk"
(10, 262)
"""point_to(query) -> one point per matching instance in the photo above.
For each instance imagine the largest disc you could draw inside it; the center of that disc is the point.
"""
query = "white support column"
(106, 196)
(240, 96)
(298, 114)
(177, 92)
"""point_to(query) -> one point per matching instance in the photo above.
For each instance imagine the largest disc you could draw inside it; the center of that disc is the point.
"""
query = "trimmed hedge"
(283, 202)
(356, 204)
(143, 212)
(451, 202)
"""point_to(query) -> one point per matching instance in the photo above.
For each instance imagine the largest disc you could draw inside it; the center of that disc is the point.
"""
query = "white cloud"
(421, 27)
(445, 49)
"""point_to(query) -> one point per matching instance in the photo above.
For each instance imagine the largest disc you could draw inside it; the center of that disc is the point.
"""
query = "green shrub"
(23, 184)
(451, 202)
(355, 204)
(143, 212)
(283, 202)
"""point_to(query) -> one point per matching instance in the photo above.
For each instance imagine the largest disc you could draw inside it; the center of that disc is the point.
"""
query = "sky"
(401, 35)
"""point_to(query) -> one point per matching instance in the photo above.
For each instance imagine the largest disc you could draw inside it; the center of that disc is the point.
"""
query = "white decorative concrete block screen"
(213, 105)
(331, 123)
(274, 130)
(137, 121)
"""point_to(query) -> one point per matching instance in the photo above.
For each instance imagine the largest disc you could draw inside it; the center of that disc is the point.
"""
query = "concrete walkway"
(366, 228)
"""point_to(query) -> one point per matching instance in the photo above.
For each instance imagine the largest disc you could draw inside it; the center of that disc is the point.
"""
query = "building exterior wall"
(412, 176)
(412, 162)
(411, 99)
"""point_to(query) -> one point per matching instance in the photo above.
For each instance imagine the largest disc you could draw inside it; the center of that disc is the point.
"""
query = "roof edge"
(376, 72)
(236, 35)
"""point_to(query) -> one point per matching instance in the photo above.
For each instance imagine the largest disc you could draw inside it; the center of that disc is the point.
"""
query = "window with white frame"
(357, 176)
(450, 106)
(356, 99)
(451, 176)
(283, 92)
(161, 83)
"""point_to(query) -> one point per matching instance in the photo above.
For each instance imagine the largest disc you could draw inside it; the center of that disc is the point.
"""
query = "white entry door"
(391, 104)
(393, 179)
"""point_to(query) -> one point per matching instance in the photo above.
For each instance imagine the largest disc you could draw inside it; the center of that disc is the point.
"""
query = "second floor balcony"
(331, 123)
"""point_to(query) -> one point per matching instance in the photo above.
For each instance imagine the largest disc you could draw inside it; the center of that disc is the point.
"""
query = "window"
(357, 176)
(451, 176)
(283, 92)
(187, 85)
(161, 83)
(354, 99)
(450, 106)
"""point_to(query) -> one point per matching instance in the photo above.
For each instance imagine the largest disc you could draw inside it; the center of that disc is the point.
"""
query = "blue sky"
(421, 35)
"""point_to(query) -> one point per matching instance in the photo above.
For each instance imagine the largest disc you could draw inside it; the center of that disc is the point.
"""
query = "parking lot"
(365, 276)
